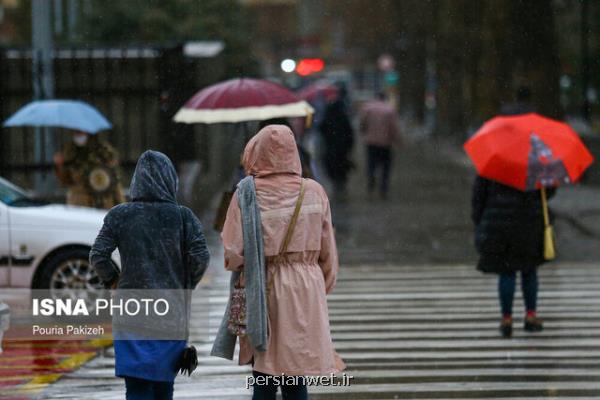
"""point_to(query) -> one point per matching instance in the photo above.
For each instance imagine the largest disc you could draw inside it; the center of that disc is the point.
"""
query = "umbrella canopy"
(244, 99)
(70, 114)
(528, 152)
(325, 89)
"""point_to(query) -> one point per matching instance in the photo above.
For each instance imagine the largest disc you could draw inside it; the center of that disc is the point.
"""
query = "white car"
(45, 246)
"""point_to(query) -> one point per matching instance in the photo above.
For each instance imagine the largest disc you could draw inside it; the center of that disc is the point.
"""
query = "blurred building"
(340, 33)
(457, 58)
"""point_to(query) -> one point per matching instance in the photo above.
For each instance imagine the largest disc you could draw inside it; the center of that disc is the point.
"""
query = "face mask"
(80, 140)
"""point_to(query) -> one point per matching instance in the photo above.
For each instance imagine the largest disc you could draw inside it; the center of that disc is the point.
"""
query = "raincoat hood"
(272, 150)
(154, 178)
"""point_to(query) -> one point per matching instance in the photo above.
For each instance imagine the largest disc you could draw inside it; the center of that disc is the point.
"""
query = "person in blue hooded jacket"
(149, 232)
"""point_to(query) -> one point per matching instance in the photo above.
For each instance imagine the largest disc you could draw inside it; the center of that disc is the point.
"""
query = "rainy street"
(419, 321)
(299, 199)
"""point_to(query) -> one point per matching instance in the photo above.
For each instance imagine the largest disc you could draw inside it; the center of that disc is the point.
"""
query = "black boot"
(506, 327)
(533, 324)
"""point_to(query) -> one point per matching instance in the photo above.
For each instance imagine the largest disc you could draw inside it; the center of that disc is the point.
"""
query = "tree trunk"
(417, 20)
(450, 61)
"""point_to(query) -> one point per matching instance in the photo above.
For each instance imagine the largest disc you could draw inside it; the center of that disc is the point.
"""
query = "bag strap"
(292, 225)
(545, 207)
(288, 235)
(286, 241)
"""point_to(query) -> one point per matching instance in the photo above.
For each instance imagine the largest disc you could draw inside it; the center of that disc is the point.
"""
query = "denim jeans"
(142, 389)
(269, 392)
(529, 286)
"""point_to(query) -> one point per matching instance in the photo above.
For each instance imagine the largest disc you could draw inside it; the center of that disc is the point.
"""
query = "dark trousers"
(529, 286)
(379, 158)
(269, 392)
(142, 389)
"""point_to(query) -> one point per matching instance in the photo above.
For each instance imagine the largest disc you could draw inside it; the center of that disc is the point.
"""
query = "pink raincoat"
(299, 341)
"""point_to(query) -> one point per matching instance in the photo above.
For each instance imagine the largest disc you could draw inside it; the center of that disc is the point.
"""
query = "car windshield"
(11, 194)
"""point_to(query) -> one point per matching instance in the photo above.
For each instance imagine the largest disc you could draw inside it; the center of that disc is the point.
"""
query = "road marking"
(63, 357)
(432, 336)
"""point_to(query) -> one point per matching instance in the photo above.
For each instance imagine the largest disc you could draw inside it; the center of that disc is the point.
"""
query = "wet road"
(410, 315)
(419, 332)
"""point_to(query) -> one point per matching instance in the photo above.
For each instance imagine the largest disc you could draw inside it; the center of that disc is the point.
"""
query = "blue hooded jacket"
(148, 233)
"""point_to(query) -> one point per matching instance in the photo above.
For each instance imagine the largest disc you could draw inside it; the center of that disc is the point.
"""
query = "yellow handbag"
(549, 245)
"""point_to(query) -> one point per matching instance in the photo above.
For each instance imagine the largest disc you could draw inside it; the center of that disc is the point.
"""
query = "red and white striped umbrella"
(243, 99)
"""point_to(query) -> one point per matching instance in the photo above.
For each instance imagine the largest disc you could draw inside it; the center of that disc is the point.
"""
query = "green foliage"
(154, 21)
(159, 22)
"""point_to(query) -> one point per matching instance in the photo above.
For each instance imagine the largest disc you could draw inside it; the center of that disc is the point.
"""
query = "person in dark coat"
(509, 236)
(149, 232)
(521, 104)
(338, 139)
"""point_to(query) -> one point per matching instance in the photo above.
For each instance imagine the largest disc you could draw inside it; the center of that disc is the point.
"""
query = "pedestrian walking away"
(271, 202)
(380, 131)
(509, 236)
(149, 233)
(338, 140)
(521, 104)
(520, 160)
(89, 167)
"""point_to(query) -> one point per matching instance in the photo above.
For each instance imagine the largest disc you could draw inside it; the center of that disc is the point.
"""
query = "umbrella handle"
(309, 119)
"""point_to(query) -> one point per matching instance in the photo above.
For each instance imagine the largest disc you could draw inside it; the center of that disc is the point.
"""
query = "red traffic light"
(307, 66)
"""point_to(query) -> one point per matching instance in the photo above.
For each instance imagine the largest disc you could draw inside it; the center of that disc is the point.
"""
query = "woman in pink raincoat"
(299, 341)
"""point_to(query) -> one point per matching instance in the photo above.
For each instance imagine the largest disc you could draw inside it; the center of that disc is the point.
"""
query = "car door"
(4, 246)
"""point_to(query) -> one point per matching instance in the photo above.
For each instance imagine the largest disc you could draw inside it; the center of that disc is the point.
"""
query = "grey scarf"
(254, 275)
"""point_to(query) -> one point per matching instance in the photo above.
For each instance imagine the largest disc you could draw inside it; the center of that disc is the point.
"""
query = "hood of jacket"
(154, 179)
(272, 150)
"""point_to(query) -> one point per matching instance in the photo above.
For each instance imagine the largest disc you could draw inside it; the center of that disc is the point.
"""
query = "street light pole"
(43, 84)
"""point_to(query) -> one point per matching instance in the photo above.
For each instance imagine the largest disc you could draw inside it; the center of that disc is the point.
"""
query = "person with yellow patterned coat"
(88, 166)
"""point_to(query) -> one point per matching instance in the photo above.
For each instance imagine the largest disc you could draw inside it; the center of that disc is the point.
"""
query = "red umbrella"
(528, 152)
(244, 99)
(320, 88)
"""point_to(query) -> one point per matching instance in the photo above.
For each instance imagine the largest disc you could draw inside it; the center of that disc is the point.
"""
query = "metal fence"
(138, 88)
